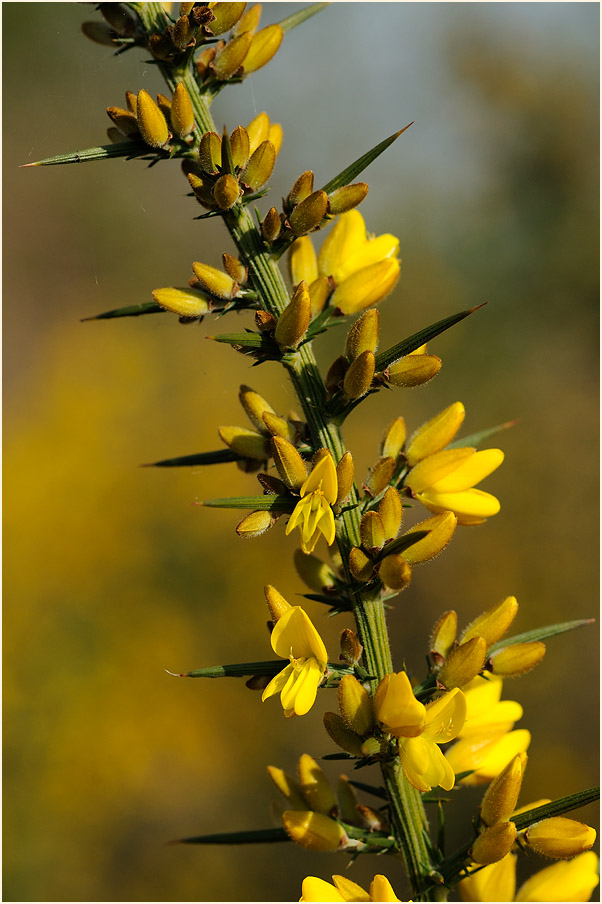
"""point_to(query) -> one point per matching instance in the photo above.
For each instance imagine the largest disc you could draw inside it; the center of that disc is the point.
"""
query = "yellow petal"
(574, 880)
(314, 889)
(435, 467)
(397, 708)
(294, 634)
(346, 239)
(473, 504)
(367, 286)
(445, 717)
(381, 890)
(496, 882)
(277, 683)
(471, 472)
(322, 476)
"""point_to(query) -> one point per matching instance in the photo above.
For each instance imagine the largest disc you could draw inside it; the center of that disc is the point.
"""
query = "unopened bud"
(151, 121)
(360, 565)
(342, 735)
(259, 168)
(203, 61)
(494, 843)
(255, 406)
(372, 531)
(226, 191)
(263, 47)
(291, 466)
(249, 20)
(277, 605)
(309, 213)
(390, 511)
(380, 475)
(336, 373)
(313, 830)
(318, 295)
(210, 152)
(265, 322)
(344, 477)
(358, 378)
(271, 225)
(125, 121)
(500, 798)
(351, 648)
(363, 335)
(234, 268)
(346, 198)
(303, 262)
(302, 189)
(230, 58)
(316, 574)
(493, 623)
(395, 572)
(245, 443)
(182, 32)
(255, 524)
(203, 190)
(443, 636)
(131, 101)
(185, 302)
(215, 281)
(293, 322)
(288, 787)
(559, 837)
(440, 531)
(435, 434)
(278, 426)
(182, 114)
(356, 707)
(240, 147)
(463, 664)
(394, 438)
(413, 370)
(226, 16)
(517, 658)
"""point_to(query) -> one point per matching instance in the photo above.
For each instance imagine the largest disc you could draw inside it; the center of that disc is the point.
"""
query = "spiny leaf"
(244, 340)
(220, 456)
(255, 836)
(121, 149)
(401, 544)
(132, 310)
(301, 16)
(413, 342)
(475, 439)
(541, 633)
(255, 503)
(556, 807)
(234, 670)
(370, 789)
(354, 169)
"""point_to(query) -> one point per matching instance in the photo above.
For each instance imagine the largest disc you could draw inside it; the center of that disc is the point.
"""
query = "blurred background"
(112, 576)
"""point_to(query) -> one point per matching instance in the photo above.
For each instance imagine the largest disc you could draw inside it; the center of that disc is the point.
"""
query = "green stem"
(408, 817)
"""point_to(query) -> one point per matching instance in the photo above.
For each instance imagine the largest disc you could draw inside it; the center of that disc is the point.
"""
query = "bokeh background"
(112, 576)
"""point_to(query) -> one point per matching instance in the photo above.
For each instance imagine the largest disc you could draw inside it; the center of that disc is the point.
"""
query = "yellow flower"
(420, 729)
(569, 881)
(496, 882)
(313, 513)
(344, 889)
(295, 638)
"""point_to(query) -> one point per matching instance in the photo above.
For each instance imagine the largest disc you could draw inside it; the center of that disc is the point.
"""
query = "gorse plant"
(449, 727)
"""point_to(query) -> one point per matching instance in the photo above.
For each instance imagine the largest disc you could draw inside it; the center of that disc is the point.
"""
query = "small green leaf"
(104, 151)
(234, 670)
(255, 836)
(220, 456)
(413, 342)
(400, 544)
(354, 169)
(254, 503)
(132, 310)
(541, 633)
(301, 16)
(475, 439)
(245, 340)
(556, 808)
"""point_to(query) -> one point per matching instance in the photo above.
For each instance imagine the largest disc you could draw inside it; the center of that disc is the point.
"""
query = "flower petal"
(471, 472)
(277, 683)
(445, 717)
(294, 634)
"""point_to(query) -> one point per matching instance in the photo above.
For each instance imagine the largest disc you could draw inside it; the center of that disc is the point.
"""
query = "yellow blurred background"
(113, 576)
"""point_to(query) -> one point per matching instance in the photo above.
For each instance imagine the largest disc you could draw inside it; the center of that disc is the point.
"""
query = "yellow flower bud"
(309, 213)
(203, 61)
(318, 295)
(517, 658)
(185, 302)
(390, 511)
(395, 572)
(302, 189)
(249, 21)
(463, 664)
(303, 262)
(151, 121)
(315, 786)
(367, 286)
(203, 190)
(230, 58)
(342, 735)
(317, 574)
(363, 335)
(314, 830)
(360, 565)
(125, 121)
(345, 472)
(214, 281)
(182, 114)
(560, 838)
(394, 438)
(501, 796)
(289, 787)
(226, 16)
(131, 101)
(259, 168)
(436, 433)
(413, 370)
(351, 648)
(226, 192)
(346, 198)
(293, 322)
(278, 426)
(380, 475)
(246, 443)
(240, 147)
(291, 466)
(263, 47)
(372, 531)
(182, 33)
(355, 704)
(494, 623)
(444, 635)
(255, 524)
(235, 268)
(271, 225)
(276, 602)
(494, 843)
(440, 531)
(210, 152)
(358, 378)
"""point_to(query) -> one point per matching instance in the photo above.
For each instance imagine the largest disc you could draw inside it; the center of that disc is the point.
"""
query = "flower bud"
(182, 114)
(440, 531)
(182, 33)
(390, 511)
(226, 15)
(372, 531)
(271, 225)
(309, 213)
(210, 152)
(302, 189)
(517, 658)
(239, 147)
(367, 286)
(265, 323)
(395, 572)
(336, 373)
(203, 190)
(293, 322)
(344, 477)
(277, 605)
(263, 47)
(394, 438)
(413, 370)
(246, 443)
(501, 796)
(318, 295)
(249, 21)
(255, 524)
(342, 735)
(355, 704)
(151, 121)
(131, 101)
(214, 281)
(313, 830)
(463, 664)
(288, 787)
(494, 843)
(436, 433)
(559, 837)
(164, 105)
(125, 121)
(316, 574)
(291, 466)
(278, 426)
(493, 623)
(303, 262)
(315, 787)
(230, 58)
(346, 198)
(259, 168)
(380, 475)
(360, 565)
(351, 648)
(443, 636)
(185, 302)
(363, 335)
(358, 378)
(235, 268)
(226, 191)
(203, 61)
